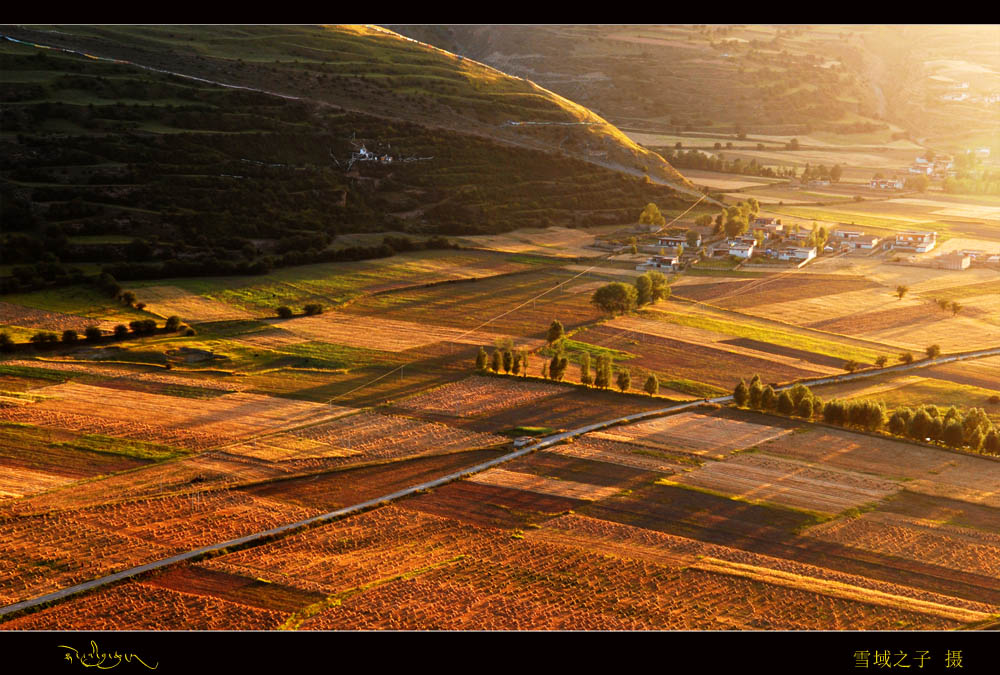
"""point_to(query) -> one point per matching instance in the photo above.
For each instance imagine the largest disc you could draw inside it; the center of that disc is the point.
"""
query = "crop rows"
(795, 484)
(138, 606)
(120, 372)
(546, 486)
(479, 395)
(695, 432)
(27, 317)
(953, 547)
(378, 436)
(389, 335)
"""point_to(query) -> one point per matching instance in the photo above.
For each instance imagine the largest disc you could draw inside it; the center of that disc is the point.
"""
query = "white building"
(920, 242)
(797, 253)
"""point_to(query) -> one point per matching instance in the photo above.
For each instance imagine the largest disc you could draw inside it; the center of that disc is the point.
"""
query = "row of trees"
(91, 334)
(312, 309)
(972, 429)
(621, 298)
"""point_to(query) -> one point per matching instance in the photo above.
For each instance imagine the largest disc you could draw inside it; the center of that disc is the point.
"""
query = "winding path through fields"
(548, 441)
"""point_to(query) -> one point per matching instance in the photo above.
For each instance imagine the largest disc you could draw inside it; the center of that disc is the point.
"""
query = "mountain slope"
(107, 162)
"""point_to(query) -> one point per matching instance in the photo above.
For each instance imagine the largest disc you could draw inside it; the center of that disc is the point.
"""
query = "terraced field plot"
(542, 485)
(755, 477)
(958, 548)
(189, 306)
(347, 486)
(171, 420)
(927, 470)
(387, 334)
(480, 395)
(140, 606)
(716, 366)
(752, 293)
(625, 454)
(695, 433)
(467, 306)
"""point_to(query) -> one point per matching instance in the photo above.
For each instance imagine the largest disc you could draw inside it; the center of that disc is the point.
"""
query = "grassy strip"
(126, 447)
(699, 389)
(765, 334)
(36, 373)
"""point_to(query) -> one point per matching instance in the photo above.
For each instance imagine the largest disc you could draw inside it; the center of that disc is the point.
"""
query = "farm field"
(480, 577)
(926, 470)
(714, 436)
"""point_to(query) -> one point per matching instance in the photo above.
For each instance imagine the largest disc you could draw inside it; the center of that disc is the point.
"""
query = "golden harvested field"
(695, 433)
(140, 374)
(926, 470)
(167, 419)
(27, 317)
(478, 395)
(367, 436)
(48, 552)
(542, 485)
(190, 307)
(958, 548)
(554, 241)
(983, 373)
(756, 477)
(140, 606)
(17, 481)
(624, 454)
(184, 476)
(391, 335)
(699, 337)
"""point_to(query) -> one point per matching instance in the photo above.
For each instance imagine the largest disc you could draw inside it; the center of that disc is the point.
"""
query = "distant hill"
(131, 153)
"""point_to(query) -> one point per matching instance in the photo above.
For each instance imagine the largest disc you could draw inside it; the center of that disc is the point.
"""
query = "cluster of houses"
(768, 237)
(886, 183)
(940, 166)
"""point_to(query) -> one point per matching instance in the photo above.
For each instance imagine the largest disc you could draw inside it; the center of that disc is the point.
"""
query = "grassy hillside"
(105, 162)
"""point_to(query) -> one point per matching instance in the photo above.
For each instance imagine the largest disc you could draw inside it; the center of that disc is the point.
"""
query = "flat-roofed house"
(659, 262)
(798, 253)
(920, 242)
(742, 249)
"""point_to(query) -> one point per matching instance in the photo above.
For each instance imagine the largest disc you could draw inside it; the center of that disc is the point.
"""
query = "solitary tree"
(6, 343)
(693, 238)
(70, 336)
(881, 361)
(128, 297)
(93, 333)
(496, 361)
(313, 309)
(955, 308)
(481, 359)
(906, 357)
(518, 356)
(942, 303)
(835, 173)
(624, 379)
(602, 376)
(556, 331)
(121, 330)
(173, 323)
(851, 365)
(933, 351)
(901, 290)
(652, 385)
(805, 408)
(651, 216)
(508, 360)
(615, 298)
(284, 312)
(785, 404)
